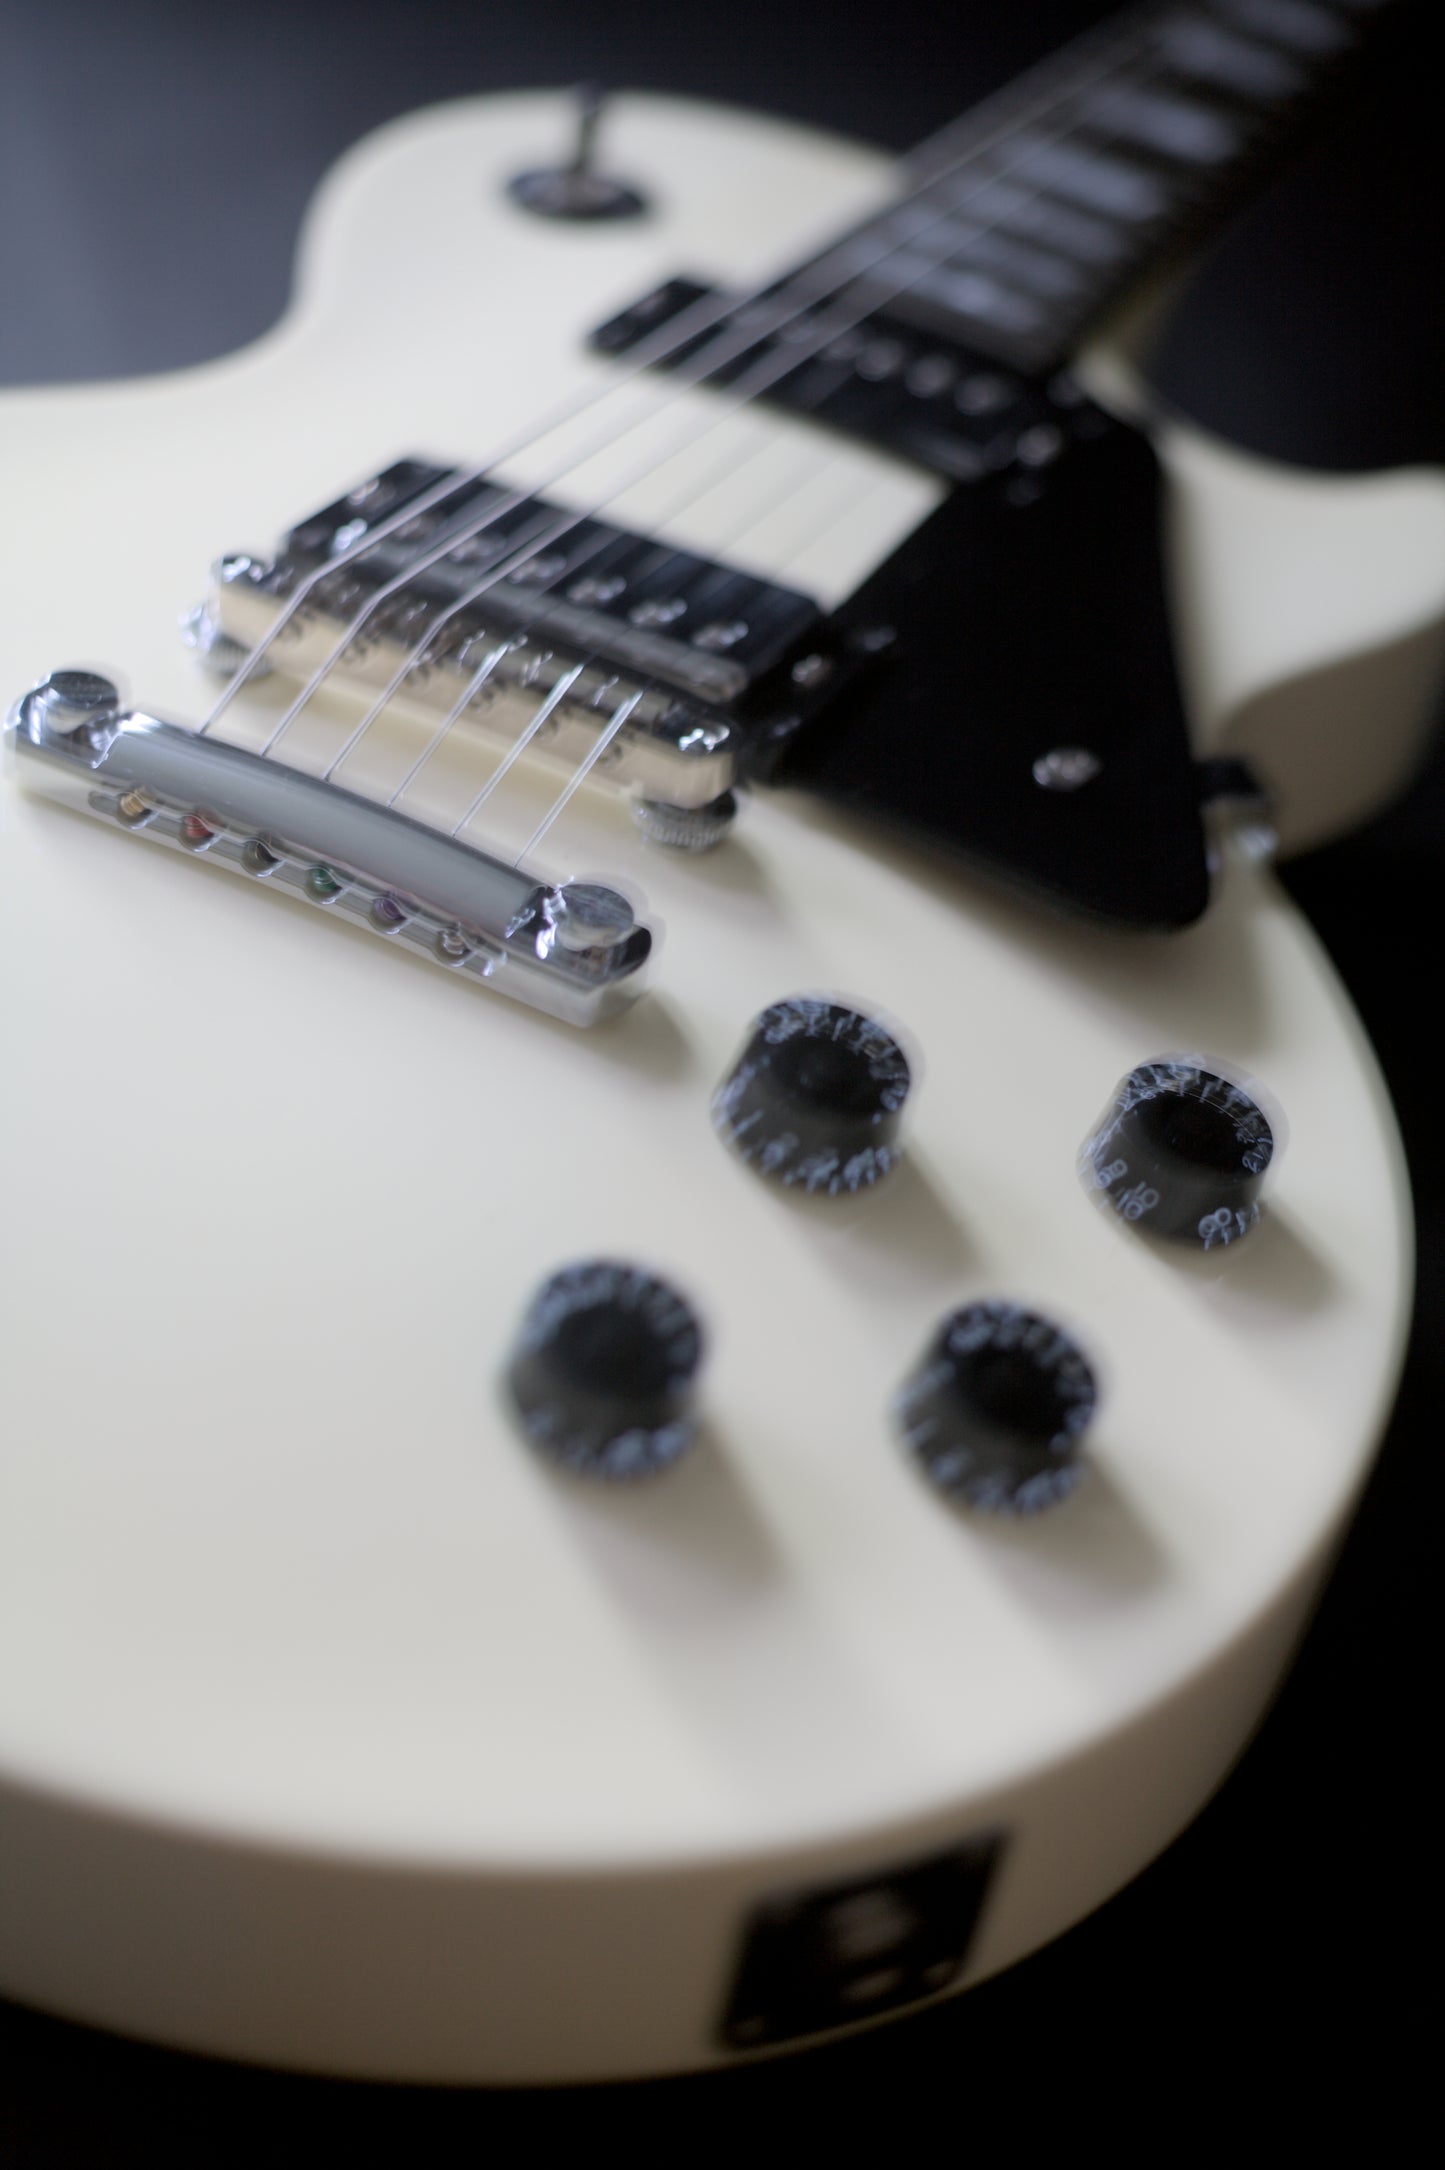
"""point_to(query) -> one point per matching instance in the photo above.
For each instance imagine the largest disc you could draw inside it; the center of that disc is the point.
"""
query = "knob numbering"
(816, 1097)
(1181, 1153)
(602, 1371)
(996, 1408)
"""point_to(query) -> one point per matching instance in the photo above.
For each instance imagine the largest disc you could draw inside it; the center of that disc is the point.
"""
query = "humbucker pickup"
(679, 638)
(919, 392)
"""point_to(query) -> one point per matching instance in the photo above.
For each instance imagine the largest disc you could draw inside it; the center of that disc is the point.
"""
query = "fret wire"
(1246, 113)
(1004, 107)
(1222, 58)
(1000, 106)
(1160, 28)
(772, 365)
(1153, 68)
(671, 338)
(782, 361)
(744, 389)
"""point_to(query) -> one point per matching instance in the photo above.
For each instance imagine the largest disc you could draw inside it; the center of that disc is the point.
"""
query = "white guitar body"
(335, 1729)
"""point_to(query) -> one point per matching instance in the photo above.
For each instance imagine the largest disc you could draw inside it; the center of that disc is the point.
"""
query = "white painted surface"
(281, 1596)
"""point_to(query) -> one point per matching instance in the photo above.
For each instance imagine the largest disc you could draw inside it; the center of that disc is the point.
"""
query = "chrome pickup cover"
(643, 619)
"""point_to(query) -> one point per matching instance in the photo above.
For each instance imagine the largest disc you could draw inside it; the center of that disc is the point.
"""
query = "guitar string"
(855, 487)
(463, 701)
(744, 389)
(769, 368)
(727, 466)
(575, 563)
(425, 643)
(411, 511)
(1010, 108)
(532, 730)
(681, 331)
(578, 777)
(538, 722)
(810, 348)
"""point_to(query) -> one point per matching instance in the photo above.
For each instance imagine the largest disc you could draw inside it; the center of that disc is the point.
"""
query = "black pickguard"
(1029, 615)
(1022, 628)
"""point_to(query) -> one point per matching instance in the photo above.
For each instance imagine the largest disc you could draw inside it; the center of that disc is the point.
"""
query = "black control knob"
(603, 1369)
(996, 1409)
(816, 1097)
(1181, 1153)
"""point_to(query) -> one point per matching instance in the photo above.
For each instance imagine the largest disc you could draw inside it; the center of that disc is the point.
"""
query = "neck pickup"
(947, 408)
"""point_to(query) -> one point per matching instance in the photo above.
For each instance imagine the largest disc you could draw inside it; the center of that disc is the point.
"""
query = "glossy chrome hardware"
(573, 950)
(669, 750)
(72, 704)
(464, 616)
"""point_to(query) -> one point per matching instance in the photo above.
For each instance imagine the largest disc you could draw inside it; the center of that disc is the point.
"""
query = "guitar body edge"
(335, 1732)
(419, 1971)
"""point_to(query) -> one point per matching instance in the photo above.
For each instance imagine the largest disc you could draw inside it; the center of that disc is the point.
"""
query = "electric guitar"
(747, 1462)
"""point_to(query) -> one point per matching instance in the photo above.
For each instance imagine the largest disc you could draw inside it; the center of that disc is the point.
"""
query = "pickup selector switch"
(602, 1371)
(575, 189)
(816, 1097)
(1181, 1153)
(995, 1410)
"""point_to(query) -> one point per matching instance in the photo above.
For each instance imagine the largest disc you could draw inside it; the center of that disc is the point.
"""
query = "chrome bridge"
(596, 618)
(574, 950)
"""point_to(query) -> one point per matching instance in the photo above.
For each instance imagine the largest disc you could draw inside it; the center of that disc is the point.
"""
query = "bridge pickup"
(574, 951)
(918, 393)
(682, 638)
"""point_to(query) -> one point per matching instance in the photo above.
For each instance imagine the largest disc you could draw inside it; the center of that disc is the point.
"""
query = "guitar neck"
(1027, 219)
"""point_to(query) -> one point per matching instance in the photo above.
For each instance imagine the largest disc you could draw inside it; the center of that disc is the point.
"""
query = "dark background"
(155, 159)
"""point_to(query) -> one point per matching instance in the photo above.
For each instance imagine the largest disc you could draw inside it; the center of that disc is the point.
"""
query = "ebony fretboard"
(1024, 220)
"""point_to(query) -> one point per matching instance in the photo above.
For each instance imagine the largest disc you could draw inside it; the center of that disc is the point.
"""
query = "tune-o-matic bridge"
(679, 638)
(573, 950)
